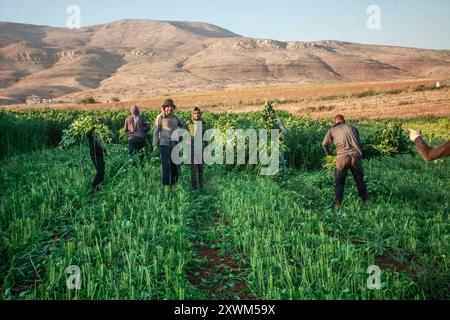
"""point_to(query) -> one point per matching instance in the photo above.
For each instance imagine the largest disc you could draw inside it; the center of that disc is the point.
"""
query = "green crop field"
(246, 236)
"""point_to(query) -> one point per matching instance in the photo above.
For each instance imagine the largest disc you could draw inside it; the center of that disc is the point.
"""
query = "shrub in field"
(269, 116)
(87, 100)
(390, 141)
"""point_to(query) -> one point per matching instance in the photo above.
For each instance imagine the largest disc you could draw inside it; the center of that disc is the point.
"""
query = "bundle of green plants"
(77, 132)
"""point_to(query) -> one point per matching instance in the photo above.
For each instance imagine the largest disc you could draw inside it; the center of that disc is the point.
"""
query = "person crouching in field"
(97, 152)
(165, 124)
(429, 153)
(197, 128)
(136, 127)
(349, 157)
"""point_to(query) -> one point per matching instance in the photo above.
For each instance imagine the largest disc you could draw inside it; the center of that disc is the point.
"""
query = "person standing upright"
(165, 125)
(197, 168)
(349, 157)
(136, 127)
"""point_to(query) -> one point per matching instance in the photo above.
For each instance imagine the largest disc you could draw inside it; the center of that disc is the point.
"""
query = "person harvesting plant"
(349, 157)
(165, 125)
(98, 135)
(97, 153)
(136, 127)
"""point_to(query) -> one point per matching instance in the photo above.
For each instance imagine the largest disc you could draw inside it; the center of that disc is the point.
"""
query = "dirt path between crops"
(215, 275)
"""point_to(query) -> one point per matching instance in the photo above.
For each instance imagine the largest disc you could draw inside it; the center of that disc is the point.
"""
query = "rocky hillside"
(133, 59)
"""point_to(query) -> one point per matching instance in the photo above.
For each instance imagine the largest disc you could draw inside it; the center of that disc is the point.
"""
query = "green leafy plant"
(329, 164)
(87, 100)
(79, 129)
(390, 141)
(269, 116)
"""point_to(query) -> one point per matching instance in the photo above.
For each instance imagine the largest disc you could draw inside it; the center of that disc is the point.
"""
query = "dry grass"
(392, 99)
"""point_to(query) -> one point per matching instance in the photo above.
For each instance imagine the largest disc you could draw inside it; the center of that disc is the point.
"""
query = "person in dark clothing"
(429, 153)
(136, 127)
(166, 123)
(349, 157)
(197, 167)
(97, 152)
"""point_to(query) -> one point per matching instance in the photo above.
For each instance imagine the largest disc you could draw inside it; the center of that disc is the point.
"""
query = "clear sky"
(412, 23)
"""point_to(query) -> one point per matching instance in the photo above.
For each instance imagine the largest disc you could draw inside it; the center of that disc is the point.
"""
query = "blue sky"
(412, 23)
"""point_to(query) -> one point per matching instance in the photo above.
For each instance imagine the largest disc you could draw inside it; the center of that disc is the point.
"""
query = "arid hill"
(138, 59)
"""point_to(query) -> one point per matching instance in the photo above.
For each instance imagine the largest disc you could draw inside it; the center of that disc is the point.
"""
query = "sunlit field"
(246, 236)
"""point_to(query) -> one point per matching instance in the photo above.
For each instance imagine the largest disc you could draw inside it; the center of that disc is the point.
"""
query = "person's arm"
(358, 140)
(326, 142)
(125, 127)
(156, 131)
(146, 125)
(431, 154)
(181, 124)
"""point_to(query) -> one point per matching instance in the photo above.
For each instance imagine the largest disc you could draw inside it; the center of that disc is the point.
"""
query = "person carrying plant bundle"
(136, 127)
(165, 124)
(349, 157)
(429, 153)
(197, 128)
(98, 135)
(97, 152)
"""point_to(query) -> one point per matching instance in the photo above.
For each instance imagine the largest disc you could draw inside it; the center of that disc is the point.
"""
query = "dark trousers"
(197, 172)
(170, 169)
(354, 163)
(99, 164)
(135, 145)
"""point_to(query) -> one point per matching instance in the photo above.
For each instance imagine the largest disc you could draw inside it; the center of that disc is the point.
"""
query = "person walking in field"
(136, 127)
(429, 153)
(165, 124)
(349, 157)
(97, 152)
(197, 128)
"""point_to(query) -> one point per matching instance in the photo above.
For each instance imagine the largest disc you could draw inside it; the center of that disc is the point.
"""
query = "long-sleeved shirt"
(136, 129)
(346, 139)
(429, 153)
(164, 127)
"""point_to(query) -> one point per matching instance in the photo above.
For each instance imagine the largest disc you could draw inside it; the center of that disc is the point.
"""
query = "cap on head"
(135, 110)
(339, 118)
(168, 103)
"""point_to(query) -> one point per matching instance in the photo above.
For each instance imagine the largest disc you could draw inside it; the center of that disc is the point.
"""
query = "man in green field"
(97, 152)
(165, 125)
(349, 157)
(136, 127)
(197, 128)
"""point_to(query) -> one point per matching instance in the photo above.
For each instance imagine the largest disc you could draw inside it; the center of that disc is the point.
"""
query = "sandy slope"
(139, 59)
